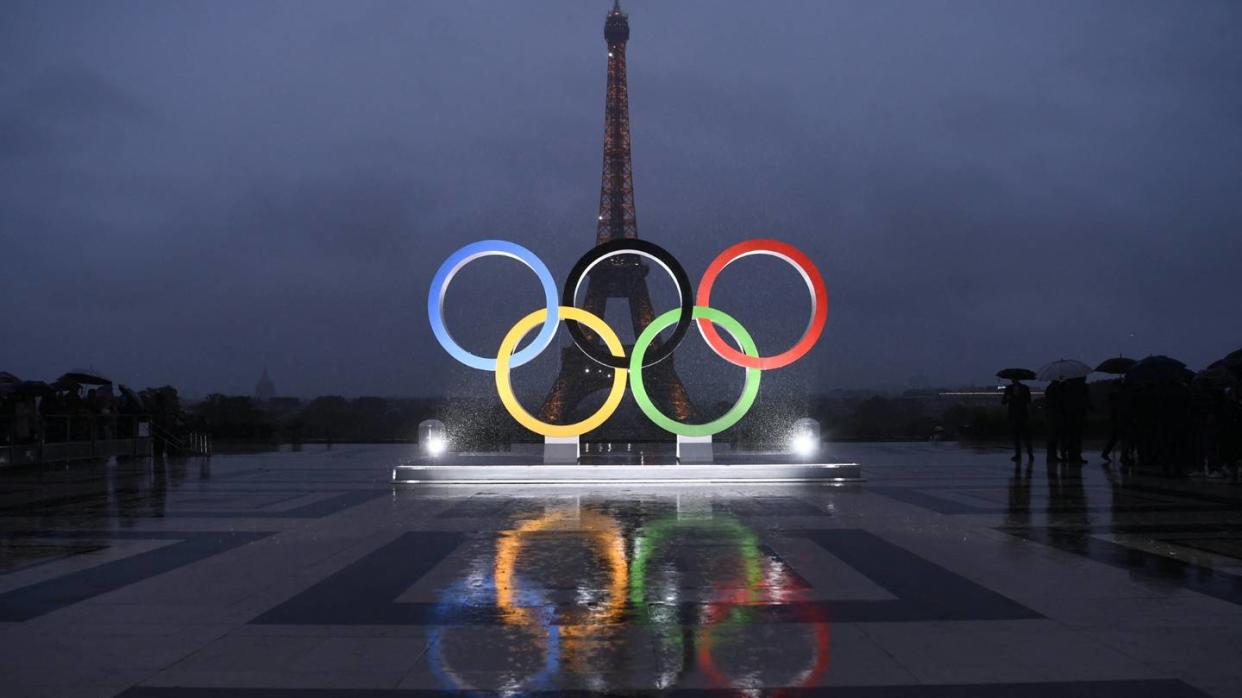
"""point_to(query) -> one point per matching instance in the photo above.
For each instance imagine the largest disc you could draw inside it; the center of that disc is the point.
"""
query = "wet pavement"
(948, 573)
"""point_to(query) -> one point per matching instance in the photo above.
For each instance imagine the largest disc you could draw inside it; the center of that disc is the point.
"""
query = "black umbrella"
(1016, 374)
(1158, 369)
(1233, 361)
(84, 377)
(26, 388)
(7, 378)
(34, 388)
(1116, 365)
(1217, 376)
(65, 383)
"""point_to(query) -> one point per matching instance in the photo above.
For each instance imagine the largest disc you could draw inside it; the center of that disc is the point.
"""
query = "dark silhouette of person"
(24, 425)
(1018, 399)
(1076, 403)
(1056, 420)
(1231, 432)
(1118, 421)
(1176, 427)
(50, 409)
(8, 420)
(129, 408)
(76, 427)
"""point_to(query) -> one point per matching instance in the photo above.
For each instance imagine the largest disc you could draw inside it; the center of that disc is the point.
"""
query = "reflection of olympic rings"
(573, 632)
(661, 608)
(466, 596)
(687, 312)
(809, 676)
(651, 251)
(735, 610)
(607, 540)
(653, 535)
(733, 605)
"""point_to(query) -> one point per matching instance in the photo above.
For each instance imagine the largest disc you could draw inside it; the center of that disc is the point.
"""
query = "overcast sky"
(191, 191)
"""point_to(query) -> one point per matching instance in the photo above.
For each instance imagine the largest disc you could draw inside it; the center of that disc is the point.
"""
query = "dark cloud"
(192, 191)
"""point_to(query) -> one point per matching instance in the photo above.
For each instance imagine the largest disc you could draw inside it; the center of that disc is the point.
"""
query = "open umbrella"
(1217, 377)
(26, 389)
(34, 389)
(1063, 369)
(65, 383)
(8, 378)
(1158, 369)
(1016, 374)
(1116, 365)
(134, 397)
(1233, 361)
(84, 376)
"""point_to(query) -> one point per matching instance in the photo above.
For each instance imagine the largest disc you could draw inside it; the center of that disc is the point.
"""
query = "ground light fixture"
(804, 438)
(432, 438)
(436, 445)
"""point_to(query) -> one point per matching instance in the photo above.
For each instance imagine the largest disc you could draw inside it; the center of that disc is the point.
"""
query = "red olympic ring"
(814, 283)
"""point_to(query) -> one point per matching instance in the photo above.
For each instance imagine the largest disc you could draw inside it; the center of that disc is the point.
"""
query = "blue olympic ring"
(469, 253)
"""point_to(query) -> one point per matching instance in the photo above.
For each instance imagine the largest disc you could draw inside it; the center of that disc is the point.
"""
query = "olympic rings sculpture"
(692, 310)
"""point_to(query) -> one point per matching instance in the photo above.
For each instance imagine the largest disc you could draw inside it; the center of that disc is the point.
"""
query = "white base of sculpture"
(560, 450)
(695, 449)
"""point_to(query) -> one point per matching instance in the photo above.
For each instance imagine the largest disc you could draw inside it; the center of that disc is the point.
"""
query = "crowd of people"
(1161, 418)
(1177, 428)
(1067, 403)
(74, 408)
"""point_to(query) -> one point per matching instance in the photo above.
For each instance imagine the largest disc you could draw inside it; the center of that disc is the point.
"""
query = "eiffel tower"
(623, 276)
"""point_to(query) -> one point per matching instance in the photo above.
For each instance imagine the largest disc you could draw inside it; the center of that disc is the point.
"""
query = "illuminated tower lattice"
(617, 277)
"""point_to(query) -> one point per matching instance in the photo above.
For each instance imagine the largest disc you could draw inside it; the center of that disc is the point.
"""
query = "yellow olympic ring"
(505, 389)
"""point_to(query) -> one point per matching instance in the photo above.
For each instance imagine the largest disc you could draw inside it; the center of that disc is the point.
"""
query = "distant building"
(265, 389)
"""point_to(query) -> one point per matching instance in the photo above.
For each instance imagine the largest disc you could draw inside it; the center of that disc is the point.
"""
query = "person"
(1056, 420)
(130, 409)
(8, 425)
(74, 409)
(50, 409)
(23, 419)
(92, 408)
(1075, 404)
(1231, 432)
(1018, 399)
(1118, 420)
(105, 403)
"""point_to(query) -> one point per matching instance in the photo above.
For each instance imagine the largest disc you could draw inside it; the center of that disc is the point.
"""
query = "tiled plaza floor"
(948, 573)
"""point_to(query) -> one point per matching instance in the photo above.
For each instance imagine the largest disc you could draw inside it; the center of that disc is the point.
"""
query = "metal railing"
(188, 442)
(59, 438)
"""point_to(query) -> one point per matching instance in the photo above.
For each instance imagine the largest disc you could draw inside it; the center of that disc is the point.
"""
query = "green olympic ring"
(750, 389)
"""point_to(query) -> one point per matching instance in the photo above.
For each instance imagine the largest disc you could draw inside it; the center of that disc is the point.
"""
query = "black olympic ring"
(657, 254)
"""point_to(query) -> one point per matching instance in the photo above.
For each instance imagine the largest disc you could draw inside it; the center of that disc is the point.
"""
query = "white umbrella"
(1063, 369)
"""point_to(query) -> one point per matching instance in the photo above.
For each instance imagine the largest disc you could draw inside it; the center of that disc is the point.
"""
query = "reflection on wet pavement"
(586, 593)
(949, 573)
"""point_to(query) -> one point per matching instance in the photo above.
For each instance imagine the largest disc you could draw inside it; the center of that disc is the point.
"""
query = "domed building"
(265, 389)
